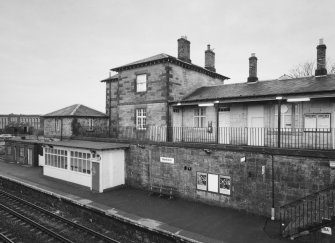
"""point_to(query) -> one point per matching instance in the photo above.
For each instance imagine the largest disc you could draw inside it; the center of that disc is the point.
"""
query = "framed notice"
(225, 184)
(317, 122)
(201, 181)
(213, 183)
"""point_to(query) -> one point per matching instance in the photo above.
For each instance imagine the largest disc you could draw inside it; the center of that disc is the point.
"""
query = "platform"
(191, 221)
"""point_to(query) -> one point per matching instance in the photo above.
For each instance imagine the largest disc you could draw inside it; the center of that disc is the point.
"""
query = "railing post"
(279, 121)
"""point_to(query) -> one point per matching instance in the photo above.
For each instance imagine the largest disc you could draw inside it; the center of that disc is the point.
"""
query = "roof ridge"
(75, 109)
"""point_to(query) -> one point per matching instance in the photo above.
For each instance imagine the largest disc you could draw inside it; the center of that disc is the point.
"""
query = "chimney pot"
(321, 59)
(210, 59)
(252, 68)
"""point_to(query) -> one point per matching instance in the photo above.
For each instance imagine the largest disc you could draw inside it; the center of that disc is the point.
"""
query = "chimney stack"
(184, 49)
(210, 59)
(321, 59)
(252, 68)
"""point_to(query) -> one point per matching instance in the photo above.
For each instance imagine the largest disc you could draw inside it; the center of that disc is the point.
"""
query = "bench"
(163, 191)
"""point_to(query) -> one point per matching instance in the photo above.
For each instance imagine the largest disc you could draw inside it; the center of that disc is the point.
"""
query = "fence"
(297, 138)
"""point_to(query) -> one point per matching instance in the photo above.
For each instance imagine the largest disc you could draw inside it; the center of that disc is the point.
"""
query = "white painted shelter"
(96, 165)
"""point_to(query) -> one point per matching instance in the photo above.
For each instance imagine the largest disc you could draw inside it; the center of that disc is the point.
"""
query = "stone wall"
(294, 176)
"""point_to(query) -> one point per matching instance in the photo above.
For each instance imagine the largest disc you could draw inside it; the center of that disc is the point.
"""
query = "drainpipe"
(61, 129)
(217, 123)
(168, 123)
(279, 119)
(273, 192)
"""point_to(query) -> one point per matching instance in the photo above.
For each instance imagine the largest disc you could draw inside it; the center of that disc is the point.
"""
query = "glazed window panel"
(56, 158)
(141, 83)
(90, 124)
(200, 117)
(141, 119)
(80, 162)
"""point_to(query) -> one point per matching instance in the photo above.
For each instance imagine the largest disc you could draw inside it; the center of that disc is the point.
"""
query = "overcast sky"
(53, 54)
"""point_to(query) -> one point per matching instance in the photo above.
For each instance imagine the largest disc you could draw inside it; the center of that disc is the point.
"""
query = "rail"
(309, 213)
(292, 138)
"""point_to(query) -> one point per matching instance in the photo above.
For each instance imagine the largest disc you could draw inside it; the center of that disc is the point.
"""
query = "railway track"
(6, 237)
(54, 227)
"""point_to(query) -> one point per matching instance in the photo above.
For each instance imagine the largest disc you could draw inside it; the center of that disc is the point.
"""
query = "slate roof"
(112, 78)
(163, 58)
(88, 144)
(305, 85)
(76, 110)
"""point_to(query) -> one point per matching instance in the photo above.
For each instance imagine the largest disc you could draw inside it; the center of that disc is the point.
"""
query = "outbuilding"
(96, 165)
(23, 151)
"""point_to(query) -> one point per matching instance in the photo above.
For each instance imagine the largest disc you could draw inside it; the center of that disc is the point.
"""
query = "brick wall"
(295, 176)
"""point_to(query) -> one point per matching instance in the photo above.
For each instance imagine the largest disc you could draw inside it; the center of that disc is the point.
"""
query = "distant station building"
(72, 120)
(20, 123)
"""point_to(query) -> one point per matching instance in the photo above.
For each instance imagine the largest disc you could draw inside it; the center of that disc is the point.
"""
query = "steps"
(308, 214)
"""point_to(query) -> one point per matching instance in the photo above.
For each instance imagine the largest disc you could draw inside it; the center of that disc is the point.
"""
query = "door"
(256, 125)
(224, 125)
(177, 124)
(30, 156)
(95, 176)
(14, 154)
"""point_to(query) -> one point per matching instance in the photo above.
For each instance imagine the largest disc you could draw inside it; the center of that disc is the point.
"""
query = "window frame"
(141, 118)
(57, 125)
(283, 117)
(199, 117)
(141, 83)
(90, 124)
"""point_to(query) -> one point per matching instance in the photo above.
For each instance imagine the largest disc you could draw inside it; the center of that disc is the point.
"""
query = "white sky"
(54, 53)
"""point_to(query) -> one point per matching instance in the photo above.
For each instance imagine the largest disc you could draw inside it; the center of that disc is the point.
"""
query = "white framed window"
(57, 125)
(141, 83)
(21, 152)
(286, 116)
(80, 162)
(56, 158)
(141, 118)
(200, 117)
(317, 122)
(90, 124)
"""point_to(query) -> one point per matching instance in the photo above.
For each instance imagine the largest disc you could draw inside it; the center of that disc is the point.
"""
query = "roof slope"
(162, 58)
(76, 110)
(265, 88)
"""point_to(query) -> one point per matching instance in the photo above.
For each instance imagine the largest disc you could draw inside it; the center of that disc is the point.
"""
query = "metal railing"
(309, 213)
(297, 138)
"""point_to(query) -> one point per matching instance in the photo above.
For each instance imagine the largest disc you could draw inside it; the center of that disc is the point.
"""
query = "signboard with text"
(167, 160)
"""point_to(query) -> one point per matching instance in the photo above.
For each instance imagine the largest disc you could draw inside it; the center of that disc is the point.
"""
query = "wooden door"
(95, 176)
(224, 126)
(256, 125)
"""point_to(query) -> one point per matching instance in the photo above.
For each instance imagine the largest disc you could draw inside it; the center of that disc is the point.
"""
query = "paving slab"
(194, 221)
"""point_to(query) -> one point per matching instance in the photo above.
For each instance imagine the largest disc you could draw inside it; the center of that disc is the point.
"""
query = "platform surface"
(190, 220)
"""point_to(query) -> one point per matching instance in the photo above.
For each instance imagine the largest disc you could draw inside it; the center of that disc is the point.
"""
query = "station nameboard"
(167, 160)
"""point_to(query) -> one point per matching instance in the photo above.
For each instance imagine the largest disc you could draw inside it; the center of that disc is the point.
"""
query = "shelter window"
(141, 83)
(80, 162)
(56, 158)
(200, 117)
(21, 152)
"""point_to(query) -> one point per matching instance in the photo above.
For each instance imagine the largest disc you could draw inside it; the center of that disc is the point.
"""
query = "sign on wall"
(225, 184)
(167, 160)
(201, 181)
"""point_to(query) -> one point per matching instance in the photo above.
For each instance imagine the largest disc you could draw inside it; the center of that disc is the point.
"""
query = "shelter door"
(30, 156)
(177, 124)
(256, 125)
(95, 176)
(224, 126)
